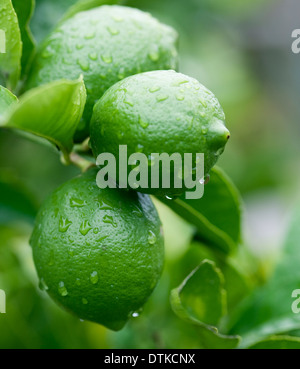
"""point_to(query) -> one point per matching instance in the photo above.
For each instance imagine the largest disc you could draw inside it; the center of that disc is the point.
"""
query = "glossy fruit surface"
(98, 253)
(105, 44)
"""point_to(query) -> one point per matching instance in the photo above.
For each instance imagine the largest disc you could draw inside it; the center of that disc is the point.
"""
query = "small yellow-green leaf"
(201, 300)
(10, 59)
(50, 111)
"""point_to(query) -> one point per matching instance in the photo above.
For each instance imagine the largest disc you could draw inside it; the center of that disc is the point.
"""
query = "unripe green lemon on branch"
(160, 112)
(98, 253)
(105, 44)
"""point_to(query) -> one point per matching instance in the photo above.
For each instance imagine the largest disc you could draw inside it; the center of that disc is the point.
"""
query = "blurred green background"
(241, 50)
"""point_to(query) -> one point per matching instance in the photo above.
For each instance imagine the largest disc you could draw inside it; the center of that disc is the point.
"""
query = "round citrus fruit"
(105, 44)
(98, 253)
(160, 112)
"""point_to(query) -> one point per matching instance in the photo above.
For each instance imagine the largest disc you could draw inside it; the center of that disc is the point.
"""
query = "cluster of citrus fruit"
(99, 253)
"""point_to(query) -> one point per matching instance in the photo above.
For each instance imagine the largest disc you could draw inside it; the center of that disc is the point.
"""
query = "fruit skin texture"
(159, 112)
(98, 253)
(105, 44)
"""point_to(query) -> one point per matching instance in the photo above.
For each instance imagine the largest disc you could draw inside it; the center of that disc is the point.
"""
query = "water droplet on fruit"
(84, 301)
(169, 197)
(77, 203)
(90, 36)
(135, 315)
(142, 123)
(109, 220)
(113, 31)
(85, 227)
(154, 56)
(117, 18)
(93, 56)
(107, 59)
(128, 102)
(79, 46)
(71, 251)
(151, 238)
(139, 148)
(203, 103)
(154, 89)
(64, 225)
(62, 289)
(94, 278)
(204, 131)
(161, 98)
(180, 97)
(84, 65)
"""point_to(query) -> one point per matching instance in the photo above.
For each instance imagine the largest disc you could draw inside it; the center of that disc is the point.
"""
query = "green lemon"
(160, 112)
(105, 44)
(98, 253)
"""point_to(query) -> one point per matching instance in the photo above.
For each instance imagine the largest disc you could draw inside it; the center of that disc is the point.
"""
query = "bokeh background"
(241, 50)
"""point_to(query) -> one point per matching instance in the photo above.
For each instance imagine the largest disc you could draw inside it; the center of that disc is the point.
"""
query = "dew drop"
(204, 131)
(113, 31)
(71, 251)
(93, 56)
(180, 97)
(84, 65)
(94, 278)
(64, 225)
(62, 289)
(107, 59)
(79, 46)
(151, 238)
(128, 102)
(169, 197)
(154, 89)
(109, 220)
(142, 123)
(117, 18)
(154, 56)
(96, 230)
(77, 203)
(90, 36)
(135, 315)
(203, 103)
(85, 227)
(139, 148)
(161, 98)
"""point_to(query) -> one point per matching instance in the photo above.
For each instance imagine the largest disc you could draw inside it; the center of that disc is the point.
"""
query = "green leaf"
(24, 10)
(201, 300)
(6, 99)
(269, 310)
(278, 343)
(217, 215)
(16, 204)
(50, 111)
(83, 5)
(10, 61)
